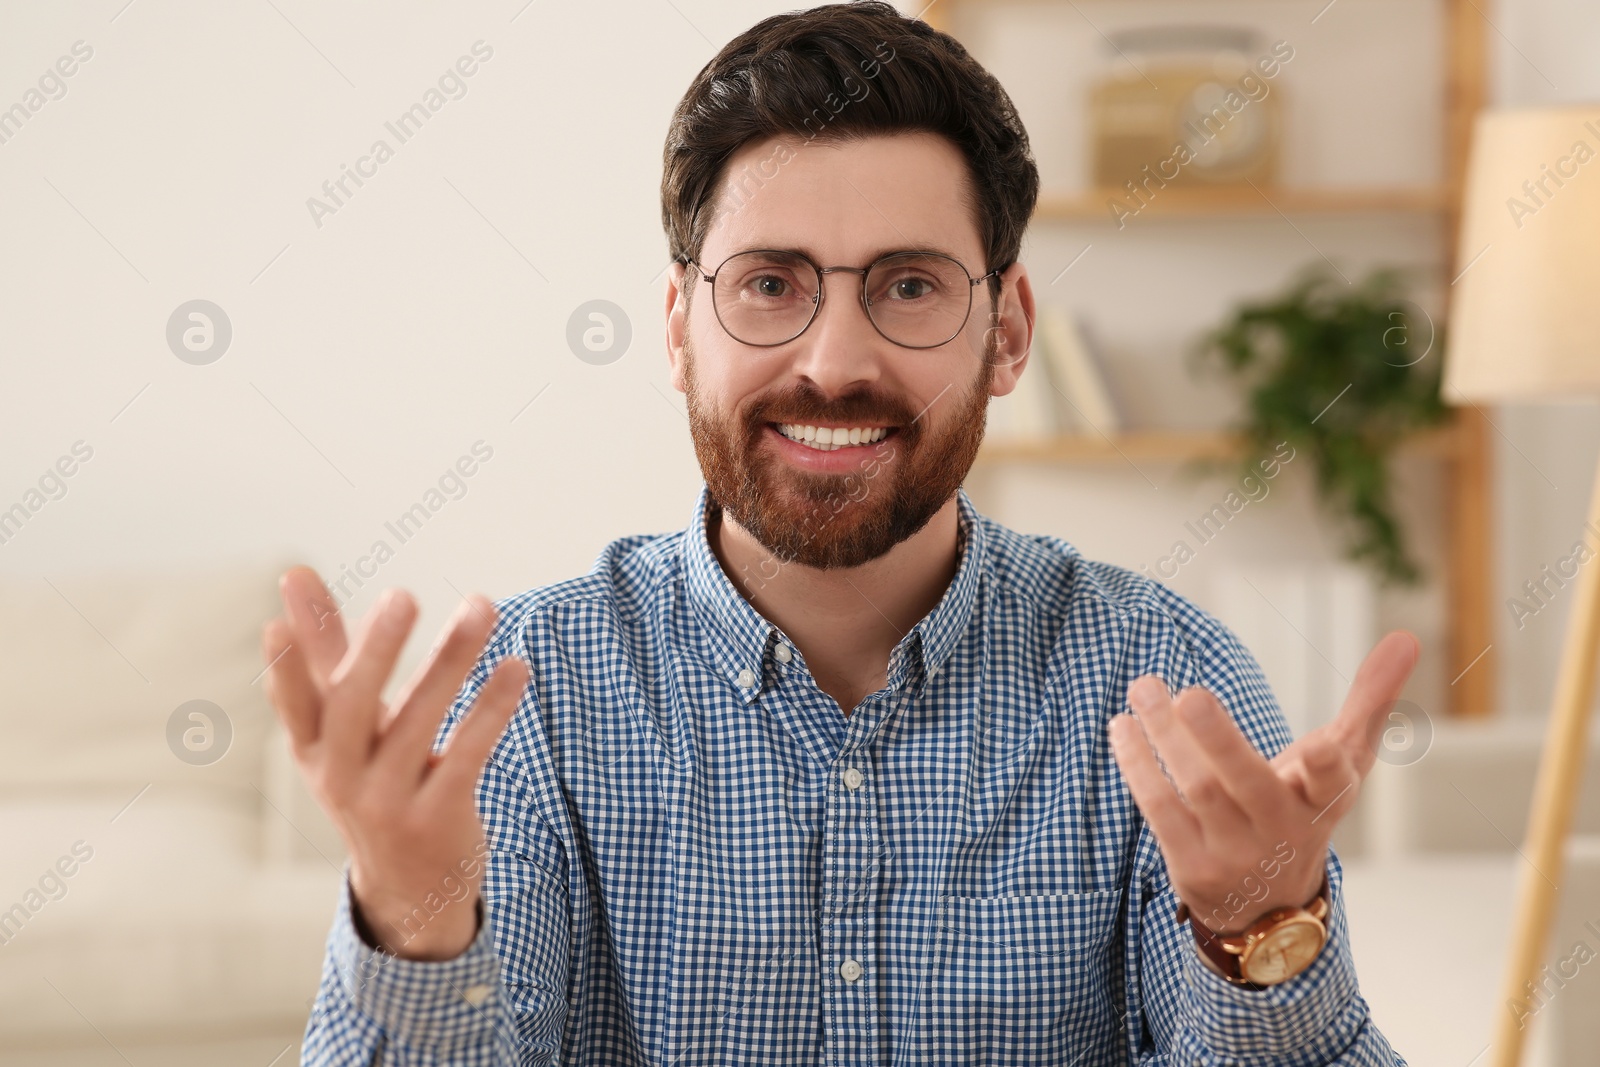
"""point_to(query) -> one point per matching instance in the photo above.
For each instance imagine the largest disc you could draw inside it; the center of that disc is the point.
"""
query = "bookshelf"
(1173, 447)
(1210, 203)
(1463, 447)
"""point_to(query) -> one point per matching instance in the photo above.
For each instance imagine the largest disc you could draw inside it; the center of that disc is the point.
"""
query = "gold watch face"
(1283, 952)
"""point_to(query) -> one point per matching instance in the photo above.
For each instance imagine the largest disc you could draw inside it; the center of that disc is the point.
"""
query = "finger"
(1243, 771)
(406, 742)
(461, 763)
(315, 619)
(1188, 764)
(1175, 826)
(289, 687)
(1330, 780)
(1377, 686)
(355, 688)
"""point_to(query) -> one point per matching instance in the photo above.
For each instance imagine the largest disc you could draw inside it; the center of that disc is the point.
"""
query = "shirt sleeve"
(374, 1008)
(1197, 1018)
(1190, 1016)
(501, 1003)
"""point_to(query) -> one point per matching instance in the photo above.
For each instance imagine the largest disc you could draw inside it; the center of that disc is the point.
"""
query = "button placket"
(848, 935)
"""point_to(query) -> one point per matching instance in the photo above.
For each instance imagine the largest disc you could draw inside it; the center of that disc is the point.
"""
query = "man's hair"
(842, 72)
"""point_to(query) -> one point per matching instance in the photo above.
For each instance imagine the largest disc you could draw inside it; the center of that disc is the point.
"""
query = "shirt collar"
(743, 639)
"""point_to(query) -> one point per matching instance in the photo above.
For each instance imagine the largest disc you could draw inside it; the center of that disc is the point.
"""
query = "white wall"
(376, 348)
(372, 351)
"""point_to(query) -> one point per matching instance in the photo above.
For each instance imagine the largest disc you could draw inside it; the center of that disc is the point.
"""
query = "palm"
(1228, 814)
(406, 813)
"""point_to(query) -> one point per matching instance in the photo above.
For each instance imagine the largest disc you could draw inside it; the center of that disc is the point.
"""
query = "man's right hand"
(408, 816)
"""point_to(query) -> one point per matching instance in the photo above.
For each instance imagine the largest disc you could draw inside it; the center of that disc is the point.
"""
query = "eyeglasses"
(765, 297)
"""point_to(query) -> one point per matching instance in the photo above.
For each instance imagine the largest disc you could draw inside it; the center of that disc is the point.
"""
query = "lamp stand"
(1555, 795)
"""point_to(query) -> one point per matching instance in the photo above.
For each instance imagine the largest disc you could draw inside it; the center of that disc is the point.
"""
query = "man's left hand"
(1240, 834)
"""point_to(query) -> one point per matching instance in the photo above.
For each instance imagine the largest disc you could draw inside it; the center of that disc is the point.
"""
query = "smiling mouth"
(829, 438)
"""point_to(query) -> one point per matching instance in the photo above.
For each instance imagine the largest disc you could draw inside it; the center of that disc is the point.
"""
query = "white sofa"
(144, 900)
(1432, 889)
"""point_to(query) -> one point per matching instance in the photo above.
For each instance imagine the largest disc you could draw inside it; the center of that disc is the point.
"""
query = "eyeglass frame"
(816, 304)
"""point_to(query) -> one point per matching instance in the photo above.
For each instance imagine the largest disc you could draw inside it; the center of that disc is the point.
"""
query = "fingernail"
(392, 607)
(459, 616)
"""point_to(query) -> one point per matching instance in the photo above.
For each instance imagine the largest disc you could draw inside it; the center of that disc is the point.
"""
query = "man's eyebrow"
(879, 253)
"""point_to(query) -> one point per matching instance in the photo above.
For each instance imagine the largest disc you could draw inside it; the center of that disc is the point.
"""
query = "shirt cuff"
(1315, 1014)
(419, 1003)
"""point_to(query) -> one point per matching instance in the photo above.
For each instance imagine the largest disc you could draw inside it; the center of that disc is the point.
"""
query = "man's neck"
(844, 621)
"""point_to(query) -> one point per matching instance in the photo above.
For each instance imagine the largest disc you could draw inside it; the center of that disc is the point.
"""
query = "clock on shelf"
(1187, 105)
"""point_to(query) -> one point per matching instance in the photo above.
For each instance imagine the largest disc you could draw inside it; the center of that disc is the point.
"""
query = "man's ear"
(677, 313)
(1011, 326)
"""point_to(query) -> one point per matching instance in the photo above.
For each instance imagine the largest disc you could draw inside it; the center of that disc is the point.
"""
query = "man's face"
(914, 417)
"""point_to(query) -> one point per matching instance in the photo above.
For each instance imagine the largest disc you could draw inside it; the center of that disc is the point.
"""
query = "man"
(837, 773)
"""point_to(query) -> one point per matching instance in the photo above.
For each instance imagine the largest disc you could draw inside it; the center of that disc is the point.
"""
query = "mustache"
(806, 405)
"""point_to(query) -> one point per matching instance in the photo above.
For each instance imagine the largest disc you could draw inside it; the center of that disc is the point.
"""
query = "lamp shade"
(1525, 313)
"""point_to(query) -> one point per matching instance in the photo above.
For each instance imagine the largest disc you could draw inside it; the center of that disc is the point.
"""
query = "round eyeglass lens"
(918, 300)
(765, 298)
(915, 299)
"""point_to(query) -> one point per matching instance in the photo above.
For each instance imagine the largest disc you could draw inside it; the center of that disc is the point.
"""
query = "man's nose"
(841, 348)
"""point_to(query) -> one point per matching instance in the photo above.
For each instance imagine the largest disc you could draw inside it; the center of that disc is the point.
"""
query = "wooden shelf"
(1092, 448)
(1467, 443)
(1192, 202)
(1171, 446)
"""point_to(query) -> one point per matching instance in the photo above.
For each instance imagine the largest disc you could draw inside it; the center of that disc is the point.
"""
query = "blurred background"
(235, 334)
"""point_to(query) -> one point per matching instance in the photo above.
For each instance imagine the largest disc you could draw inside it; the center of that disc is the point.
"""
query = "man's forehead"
(856, 198)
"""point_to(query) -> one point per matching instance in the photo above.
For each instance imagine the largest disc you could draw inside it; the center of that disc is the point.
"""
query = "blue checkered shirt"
(696, 859)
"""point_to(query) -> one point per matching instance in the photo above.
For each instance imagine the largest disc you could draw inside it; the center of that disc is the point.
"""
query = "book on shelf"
(1083, 399)
(1062, 391)
(1027, 413)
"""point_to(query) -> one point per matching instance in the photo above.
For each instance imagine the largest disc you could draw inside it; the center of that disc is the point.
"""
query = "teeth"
(828, 438)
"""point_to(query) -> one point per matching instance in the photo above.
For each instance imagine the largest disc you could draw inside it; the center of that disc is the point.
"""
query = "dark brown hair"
(842, 72)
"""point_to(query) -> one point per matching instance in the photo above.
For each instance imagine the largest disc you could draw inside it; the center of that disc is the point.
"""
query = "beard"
(834, 520)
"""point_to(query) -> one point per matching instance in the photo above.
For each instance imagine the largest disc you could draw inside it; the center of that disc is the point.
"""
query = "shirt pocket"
(1023, 978)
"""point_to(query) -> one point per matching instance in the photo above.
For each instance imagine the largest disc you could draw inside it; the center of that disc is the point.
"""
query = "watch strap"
(1227, 951)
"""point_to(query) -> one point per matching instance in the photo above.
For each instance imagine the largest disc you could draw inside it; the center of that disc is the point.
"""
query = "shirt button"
(747, 678)
(783, 653)
(853, 778)
(476, 994)
(849, 970)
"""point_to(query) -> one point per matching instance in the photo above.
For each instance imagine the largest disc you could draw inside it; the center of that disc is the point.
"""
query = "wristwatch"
(1275, 948)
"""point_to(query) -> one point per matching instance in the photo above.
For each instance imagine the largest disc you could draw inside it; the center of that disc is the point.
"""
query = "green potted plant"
(1340, 371)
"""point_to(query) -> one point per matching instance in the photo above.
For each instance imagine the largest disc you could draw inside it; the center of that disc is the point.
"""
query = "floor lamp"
(1525, 326)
